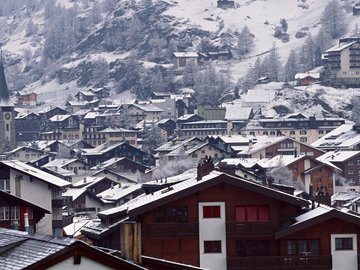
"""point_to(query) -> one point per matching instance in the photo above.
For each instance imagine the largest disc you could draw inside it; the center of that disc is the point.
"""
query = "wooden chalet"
(217, 221)
(23, 98)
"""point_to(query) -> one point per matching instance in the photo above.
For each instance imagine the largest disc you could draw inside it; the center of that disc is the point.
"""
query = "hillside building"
(342, 63)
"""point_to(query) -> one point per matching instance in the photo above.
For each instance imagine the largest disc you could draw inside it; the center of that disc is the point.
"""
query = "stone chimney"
(204, 167)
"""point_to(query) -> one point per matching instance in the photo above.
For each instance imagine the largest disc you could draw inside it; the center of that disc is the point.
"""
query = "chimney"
(199, 173)
(205, 167)
(130, 240)
(27, 226)
(323, 197)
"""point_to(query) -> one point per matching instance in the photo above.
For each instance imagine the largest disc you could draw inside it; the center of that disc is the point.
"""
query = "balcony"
(280, 263)
(172, 229)
(250, 228)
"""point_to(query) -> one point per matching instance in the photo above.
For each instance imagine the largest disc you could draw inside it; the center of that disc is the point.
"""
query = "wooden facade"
(260, 224)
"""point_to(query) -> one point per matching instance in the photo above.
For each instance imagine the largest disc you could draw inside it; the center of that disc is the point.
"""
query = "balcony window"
(303, 247)
(172, 214)
(212, 246)
(345, 243)
(211, 211)
(291, 247)
(252, 213)
(245, 248)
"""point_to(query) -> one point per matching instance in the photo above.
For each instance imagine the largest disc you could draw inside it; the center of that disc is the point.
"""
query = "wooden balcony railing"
(173, 229)
(280, 263)
(241, 228)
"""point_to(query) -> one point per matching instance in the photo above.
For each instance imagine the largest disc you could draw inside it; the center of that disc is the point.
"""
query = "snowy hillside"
(183, 20)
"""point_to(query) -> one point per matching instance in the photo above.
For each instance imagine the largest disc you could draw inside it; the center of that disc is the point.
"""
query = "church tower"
(7, 114)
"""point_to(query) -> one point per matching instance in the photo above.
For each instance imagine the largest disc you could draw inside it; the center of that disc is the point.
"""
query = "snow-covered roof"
(186, 54)
(279, 160)
(44, 176)
(172, 145)
(119, 191)
(59, 118)
(186, 116)
(340, 47)
(101, 149)
(322, 209)
(235, 111)
(259, 96)
(243, 162)
(61, 162)
(147, 107)
(117, 129)
(74, 229)
(345, 196)
(74, 193)
(233, 139)
(300, 76)
(342, 137)
(262, 142)
(338, 156)
(91, 115)
(87, 181)
(186, 149)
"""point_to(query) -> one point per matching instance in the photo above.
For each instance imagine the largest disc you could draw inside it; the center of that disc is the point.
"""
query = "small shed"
(181, 59)
(303, 79)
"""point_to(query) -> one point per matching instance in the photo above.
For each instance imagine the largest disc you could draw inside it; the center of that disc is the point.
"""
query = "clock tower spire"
(7, 114)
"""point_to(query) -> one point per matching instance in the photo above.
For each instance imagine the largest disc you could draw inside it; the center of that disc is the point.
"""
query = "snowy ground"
(261, 16)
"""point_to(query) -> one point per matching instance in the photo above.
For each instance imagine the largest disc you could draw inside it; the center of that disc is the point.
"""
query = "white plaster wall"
(344, 259)
(86, 264)
(36, 192)
(212, 229)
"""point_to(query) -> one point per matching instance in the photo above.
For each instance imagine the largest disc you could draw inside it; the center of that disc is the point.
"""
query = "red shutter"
(263, 213)
(252, 214)
(240, 214)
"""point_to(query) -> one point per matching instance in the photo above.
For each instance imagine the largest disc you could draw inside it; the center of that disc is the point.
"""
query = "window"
(350, 163)
(211, 211)
(321, 132)
(344, 243)
(246, 248)
(303, 247)
(303, 139)
(5, 185)
(292, 132)
(212, 246)
(15, 212)
(252, 213)
(303, 132)
(4, 212)
(172, 214)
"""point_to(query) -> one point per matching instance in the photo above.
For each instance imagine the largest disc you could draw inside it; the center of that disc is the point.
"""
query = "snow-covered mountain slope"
(186, 21)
